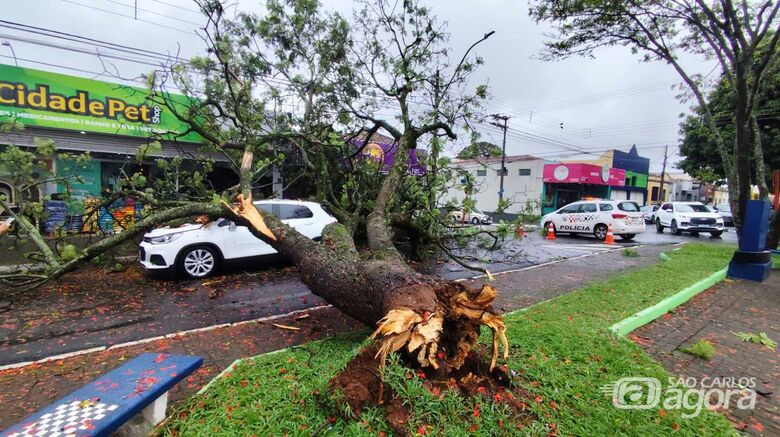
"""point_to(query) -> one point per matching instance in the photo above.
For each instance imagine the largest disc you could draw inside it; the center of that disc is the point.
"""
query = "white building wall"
(519, 190)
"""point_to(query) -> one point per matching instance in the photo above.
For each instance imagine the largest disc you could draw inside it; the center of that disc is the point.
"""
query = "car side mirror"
(232, 226)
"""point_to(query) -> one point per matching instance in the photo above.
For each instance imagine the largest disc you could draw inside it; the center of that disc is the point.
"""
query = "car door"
(241, 243)
(564, 218)
(665, 214)
(299, 217)
(587, 216)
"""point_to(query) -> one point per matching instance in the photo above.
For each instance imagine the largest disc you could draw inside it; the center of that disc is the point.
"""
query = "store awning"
(582, 173)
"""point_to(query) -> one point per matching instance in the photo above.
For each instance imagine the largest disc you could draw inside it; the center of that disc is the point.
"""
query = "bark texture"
(436, 322)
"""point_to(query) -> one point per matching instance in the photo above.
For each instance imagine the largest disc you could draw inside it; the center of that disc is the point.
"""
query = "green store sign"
(44, 99)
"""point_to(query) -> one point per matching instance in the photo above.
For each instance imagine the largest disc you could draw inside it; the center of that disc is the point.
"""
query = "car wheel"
(716, 233)
(475, 221)
(198, 261)
(600, 231)
(658, 227)
(674, 229)
(627, 237)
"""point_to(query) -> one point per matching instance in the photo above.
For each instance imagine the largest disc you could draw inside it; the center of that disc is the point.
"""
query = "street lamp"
(8, 44)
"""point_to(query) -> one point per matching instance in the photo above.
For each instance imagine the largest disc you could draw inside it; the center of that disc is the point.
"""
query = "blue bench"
(101, 407)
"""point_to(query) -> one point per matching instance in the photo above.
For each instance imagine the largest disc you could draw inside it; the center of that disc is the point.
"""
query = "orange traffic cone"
(610, 236)
(551, 232)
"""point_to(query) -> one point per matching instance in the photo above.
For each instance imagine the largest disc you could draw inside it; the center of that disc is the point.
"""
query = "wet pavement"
(93, 309)
(716, 315)
(26, 389)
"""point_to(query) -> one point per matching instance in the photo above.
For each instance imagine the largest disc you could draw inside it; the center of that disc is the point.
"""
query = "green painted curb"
(647, 315)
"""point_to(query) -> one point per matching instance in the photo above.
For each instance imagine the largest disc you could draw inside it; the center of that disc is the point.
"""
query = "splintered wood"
(402, 327)
(247, 210)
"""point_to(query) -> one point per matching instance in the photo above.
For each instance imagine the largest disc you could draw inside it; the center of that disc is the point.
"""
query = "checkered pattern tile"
(67, 419)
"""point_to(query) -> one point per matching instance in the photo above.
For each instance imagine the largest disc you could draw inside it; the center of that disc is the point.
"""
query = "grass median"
(561, 352)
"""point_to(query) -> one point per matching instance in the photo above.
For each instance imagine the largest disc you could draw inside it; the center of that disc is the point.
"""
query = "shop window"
(524, 172)
(482, 172)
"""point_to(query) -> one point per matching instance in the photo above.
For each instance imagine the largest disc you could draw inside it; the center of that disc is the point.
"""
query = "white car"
(197, 250)
(693, 217)
(594, 217)
(475, 217)
(648, 213)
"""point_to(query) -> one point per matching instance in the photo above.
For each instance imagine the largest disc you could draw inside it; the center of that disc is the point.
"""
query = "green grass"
(702, 349)
(630, 253)
(561, 349)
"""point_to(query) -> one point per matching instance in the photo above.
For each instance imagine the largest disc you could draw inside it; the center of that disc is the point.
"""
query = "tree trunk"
(743, 148)
(435, 321)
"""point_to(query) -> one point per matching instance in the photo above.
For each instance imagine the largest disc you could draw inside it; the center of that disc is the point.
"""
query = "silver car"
(724, 210)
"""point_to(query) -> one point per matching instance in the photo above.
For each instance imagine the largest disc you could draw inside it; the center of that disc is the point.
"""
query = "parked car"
(693, 217)
(475, 217)
(648, 213)
(724, 210)
(594, 216)
(198, 250)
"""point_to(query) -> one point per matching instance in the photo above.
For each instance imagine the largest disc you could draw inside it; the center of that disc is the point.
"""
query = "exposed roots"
(460, 315)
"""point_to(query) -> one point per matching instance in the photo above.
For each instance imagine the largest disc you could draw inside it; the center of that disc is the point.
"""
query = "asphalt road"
(92, 309)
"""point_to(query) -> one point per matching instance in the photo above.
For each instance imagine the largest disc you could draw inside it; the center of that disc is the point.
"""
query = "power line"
(176, 29)
(178, 7)
(136, 8)
(77, 50)
(611, 95)
(81, 39)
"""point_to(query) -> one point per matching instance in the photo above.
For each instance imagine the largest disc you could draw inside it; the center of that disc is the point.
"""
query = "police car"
(594, 216)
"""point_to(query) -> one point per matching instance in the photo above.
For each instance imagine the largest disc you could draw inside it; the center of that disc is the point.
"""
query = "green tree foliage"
(480, 149)
(699, 148)
(741, 36)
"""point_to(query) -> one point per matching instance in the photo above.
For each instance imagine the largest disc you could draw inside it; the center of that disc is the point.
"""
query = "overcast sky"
(611, 101)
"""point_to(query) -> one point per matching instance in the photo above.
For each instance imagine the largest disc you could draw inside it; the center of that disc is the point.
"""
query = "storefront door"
(567, 196)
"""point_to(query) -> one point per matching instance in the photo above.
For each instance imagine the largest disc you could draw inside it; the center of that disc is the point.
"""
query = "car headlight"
(163, 239)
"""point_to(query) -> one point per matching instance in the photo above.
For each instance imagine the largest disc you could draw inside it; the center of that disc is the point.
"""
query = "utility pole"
(661, 199)
(503, 127)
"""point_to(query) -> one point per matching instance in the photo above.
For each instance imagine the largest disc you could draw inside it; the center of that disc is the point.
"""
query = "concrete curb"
(647, 315)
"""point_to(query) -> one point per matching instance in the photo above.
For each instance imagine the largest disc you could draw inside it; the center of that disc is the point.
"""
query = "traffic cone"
(610, 236)
(520, 232)
(551, 232)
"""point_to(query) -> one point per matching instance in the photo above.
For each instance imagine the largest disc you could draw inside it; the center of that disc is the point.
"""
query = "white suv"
(594, 216)
(693, 217)
(197, 250)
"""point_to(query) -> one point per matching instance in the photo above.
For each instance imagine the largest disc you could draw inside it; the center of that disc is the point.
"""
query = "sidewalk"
(29, 388)
(715, 315)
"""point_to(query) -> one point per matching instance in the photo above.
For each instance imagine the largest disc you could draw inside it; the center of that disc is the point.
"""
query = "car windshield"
(691, 207)
(724, 207)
